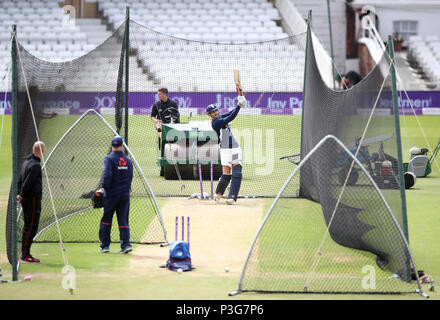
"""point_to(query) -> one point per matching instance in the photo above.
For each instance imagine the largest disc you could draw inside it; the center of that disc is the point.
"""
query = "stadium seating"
(41, 31)
(216, 21)
(223, 14)
(426, 52)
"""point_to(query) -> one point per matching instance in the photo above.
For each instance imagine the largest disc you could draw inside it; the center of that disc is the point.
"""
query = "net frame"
(136, 165)
(240, 288)
(21, 81)
(374, 34)
(115, 41)
(403, 234)
(251, 128)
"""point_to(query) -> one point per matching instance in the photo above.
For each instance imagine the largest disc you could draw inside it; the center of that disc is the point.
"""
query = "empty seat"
(59, 47)
(220, 21)
(48, 54)
(19, 17)
(33, 36)
(252, 37)
(223, 37)
(44, 47)
(152, 5)
(88, 47)
(432, 38)
(77, 53)
(5, 36)
(195, 36)
(33, 17)
(415, 38)
(37, 4)
(12, 11)
(79, 37)
(64, 55)
(30, 46)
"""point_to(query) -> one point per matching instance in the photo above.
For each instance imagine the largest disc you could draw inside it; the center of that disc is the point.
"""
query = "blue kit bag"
(180, 257)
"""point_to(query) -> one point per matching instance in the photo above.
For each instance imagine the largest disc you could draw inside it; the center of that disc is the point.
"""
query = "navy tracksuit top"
(118, 174)
(221, 127)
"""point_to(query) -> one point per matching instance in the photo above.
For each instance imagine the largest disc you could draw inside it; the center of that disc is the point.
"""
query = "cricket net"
(119, 80)
(77, 140)
(346, 232)
(200, 73)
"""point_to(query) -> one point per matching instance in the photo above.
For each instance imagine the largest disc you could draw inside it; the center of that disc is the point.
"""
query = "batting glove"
(242, 101)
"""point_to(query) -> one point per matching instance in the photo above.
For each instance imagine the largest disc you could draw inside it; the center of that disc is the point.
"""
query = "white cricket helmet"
(387, 164)
(414, 151)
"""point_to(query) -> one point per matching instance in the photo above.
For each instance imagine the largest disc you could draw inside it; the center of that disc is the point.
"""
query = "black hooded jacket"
(30, 179)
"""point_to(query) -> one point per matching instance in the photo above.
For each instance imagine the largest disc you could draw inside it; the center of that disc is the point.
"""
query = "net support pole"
(399, 143)
(127, 67)
(14, 91)
(308, 38)
(331, 41)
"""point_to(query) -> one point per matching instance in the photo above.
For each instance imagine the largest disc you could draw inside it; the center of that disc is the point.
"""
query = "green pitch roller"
(183, 146)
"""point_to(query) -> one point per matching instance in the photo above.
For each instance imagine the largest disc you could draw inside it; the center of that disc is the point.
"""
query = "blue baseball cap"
(211, 108)
(117, 141)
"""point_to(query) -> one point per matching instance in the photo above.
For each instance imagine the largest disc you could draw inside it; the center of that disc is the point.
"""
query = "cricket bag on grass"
(180, 257)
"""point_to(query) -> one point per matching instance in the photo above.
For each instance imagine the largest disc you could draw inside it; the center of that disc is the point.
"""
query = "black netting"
(348, 222)
(345, 114)
(272, 79)
(74, 173)
(302, 247)
(200, 73)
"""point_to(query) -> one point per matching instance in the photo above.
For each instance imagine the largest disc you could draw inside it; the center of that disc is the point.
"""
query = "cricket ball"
(28, 278)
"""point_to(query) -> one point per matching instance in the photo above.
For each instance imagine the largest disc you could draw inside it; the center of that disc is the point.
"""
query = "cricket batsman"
(230, 151)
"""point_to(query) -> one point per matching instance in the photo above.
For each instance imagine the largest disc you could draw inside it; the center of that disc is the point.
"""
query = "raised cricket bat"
(238, 82)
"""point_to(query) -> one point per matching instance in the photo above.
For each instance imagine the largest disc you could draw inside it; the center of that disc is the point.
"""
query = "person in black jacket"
(164, 110)
(30, 192)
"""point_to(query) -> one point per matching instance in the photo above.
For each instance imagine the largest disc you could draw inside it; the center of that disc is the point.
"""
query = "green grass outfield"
(110, 277)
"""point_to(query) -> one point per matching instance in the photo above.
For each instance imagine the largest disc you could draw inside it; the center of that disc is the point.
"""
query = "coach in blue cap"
(116, 186)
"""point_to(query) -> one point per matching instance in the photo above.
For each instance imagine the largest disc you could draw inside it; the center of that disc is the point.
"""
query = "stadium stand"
(424, 54)
(321, 26)
(216, 21)
(41, 31)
